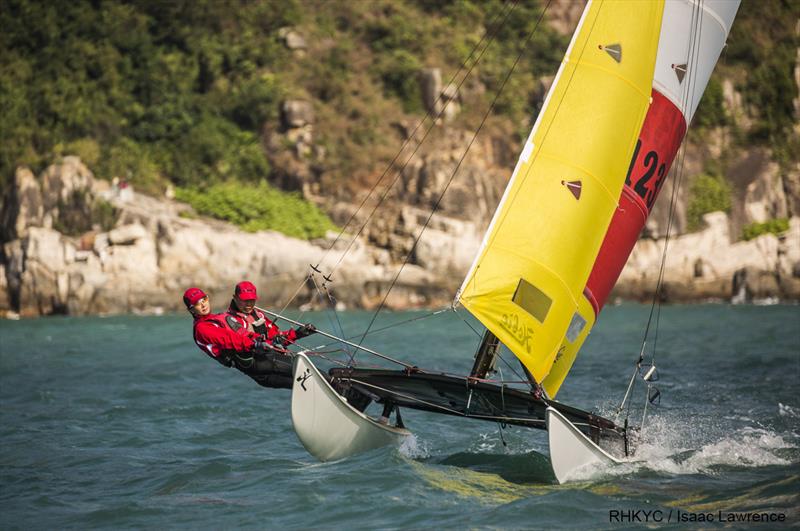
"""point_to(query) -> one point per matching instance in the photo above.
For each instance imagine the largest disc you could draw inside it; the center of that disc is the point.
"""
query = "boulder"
(5, 300)
(430, 84)
(297, 113)
(37, 279)
(127, 234)
(293, 39)
(765, 198)
(441, 102)
(449, 254)
(563, 15)
(23, 206)
(61, 181)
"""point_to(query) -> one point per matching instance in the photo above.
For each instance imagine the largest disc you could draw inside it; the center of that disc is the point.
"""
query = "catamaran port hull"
(327, 426)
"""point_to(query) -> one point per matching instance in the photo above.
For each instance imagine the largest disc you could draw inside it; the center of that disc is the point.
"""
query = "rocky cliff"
(155, 248)
(348, 96)
(154, 251)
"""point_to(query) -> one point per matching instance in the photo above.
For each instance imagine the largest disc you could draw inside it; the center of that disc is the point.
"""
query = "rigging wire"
(511, 199)
(332, 305)
(392, 325)
(491, 34)
(690, 89)
(687, 99)
(458, 165)
(419, 143)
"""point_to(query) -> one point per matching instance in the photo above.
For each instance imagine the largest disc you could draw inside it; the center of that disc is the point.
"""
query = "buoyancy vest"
(258, 322)
(268, 368)
(226, 357)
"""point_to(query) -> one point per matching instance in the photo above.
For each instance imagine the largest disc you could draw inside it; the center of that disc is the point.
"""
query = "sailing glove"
(306, 330)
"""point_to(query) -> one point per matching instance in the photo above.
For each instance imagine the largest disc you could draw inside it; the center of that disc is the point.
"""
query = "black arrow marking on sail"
(614, 50)
(680, 71)
(574, 186)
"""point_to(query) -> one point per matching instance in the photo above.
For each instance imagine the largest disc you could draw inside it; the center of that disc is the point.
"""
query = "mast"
(486, 356)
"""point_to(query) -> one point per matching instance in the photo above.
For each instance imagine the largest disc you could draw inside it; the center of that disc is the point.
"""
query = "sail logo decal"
(302, 379)
(521, 332)
(559, 354)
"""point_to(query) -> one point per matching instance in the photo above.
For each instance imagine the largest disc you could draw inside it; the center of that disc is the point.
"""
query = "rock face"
(152, 254)
(563, 15)
(707, 265)
(441, 102)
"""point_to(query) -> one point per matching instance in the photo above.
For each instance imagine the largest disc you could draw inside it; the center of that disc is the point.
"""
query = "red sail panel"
(661, 136)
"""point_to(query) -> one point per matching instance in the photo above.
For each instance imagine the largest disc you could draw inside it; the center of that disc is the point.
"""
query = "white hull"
(571, 450)
(326, 424)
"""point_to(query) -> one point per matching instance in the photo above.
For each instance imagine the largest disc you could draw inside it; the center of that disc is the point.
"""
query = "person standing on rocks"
(225, 338)
(243, 306)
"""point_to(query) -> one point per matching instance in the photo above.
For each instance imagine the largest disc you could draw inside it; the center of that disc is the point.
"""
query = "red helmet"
(192, 295)
(246, 291)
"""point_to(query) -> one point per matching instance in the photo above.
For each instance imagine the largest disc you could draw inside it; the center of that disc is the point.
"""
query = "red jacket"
(215, 336)
(259, 323)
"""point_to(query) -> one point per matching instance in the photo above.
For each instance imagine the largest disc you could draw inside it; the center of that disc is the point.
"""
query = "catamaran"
(580, 194)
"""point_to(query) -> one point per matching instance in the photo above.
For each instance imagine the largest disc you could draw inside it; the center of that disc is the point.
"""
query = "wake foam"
(683, 446)
(412, 448)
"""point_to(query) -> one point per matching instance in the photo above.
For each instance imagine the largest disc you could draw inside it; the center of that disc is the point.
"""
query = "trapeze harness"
(268, 367)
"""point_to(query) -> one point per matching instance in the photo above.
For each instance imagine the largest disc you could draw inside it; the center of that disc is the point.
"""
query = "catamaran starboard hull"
(327, 426)
(571, 450)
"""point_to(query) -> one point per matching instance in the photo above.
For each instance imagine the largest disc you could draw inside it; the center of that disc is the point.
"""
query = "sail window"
(575, 327)
(532, 300)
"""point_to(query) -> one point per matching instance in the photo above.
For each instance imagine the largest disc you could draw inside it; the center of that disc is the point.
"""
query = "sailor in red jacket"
(225, 338)
(243, 306)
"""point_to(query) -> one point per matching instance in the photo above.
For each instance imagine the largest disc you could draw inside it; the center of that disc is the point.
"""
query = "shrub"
(259, 207)
(711, 111)
(773, 226)
(86, 148)
(78, 215)
(133, 162)
(708, 193)
(399, 71)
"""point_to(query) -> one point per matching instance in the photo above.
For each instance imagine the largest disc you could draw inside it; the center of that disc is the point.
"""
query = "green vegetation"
(79, 215)
(761, 56)
(150, 91)
(773, 226)
(259, 207)
(184, 91)
(708, 193)
(189, 92)
(711, 111)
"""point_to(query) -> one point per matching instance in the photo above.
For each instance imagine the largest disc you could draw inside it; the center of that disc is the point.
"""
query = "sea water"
(121, 422)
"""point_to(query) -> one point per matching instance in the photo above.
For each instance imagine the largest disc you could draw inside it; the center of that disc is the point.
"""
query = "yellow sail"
(527, 280)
